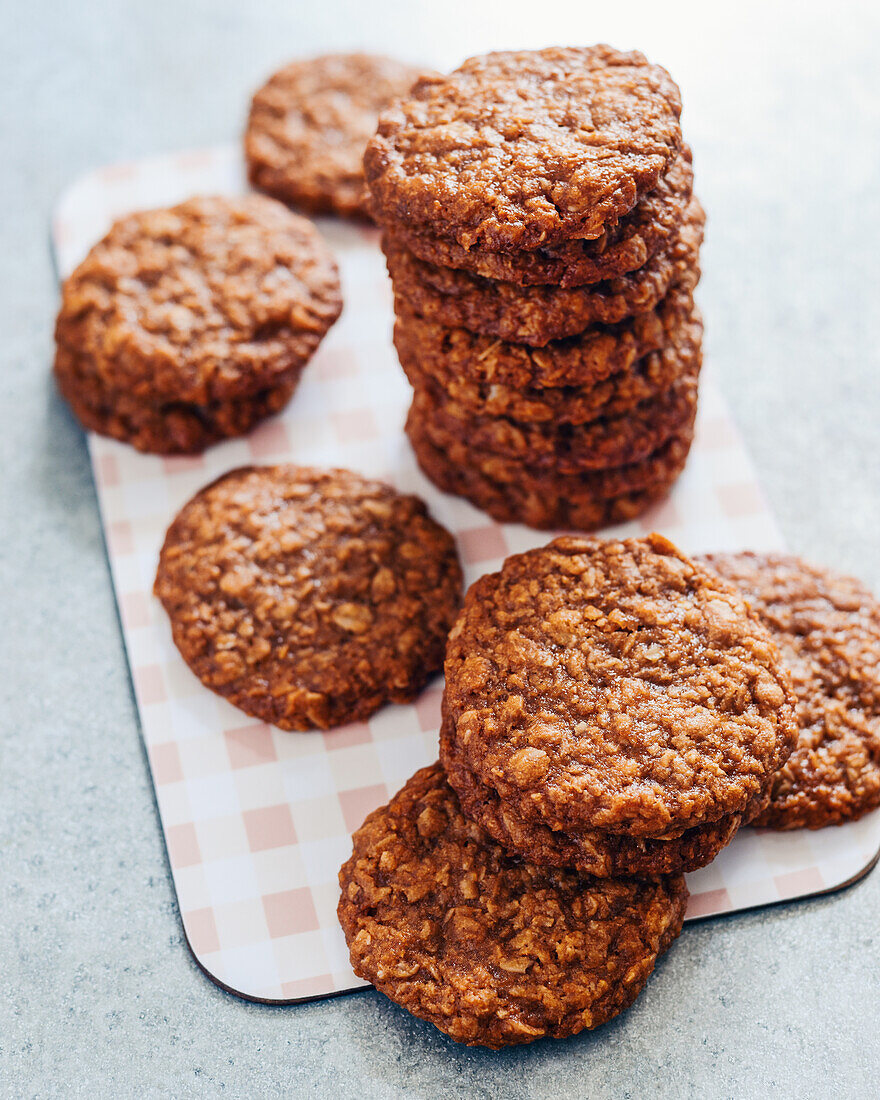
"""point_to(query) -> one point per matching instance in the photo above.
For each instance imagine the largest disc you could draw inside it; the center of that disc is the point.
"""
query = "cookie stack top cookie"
(524, 150)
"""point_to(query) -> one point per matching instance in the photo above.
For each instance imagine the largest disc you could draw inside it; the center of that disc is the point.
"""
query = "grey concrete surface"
(98, 995)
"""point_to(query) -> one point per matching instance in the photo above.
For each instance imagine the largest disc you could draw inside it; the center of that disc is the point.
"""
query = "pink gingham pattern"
(257, 821)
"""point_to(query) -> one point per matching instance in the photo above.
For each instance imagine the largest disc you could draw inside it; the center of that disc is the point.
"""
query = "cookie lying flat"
(310, 123)
(539, 315)
(493, 951)
(615, 686)
(524, 150)
(184, 310)
(306, 597)
(827, 627)
(653, 221)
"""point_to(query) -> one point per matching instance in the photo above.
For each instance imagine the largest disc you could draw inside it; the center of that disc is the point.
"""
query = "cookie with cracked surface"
(616, 685)
(169, 428)
(590, 851)
(213, 300)
(584, 360)
(568, 448)
(307, 597)
(511, 492)
(493, 951)
(541, 314)
(524, 150)
(654, 221)
(309, 126)
(645, 379)
(827, 627)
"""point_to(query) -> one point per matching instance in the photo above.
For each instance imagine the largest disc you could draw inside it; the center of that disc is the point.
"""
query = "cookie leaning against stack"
(189, 325)
(613, 706)
(613, 713)
(543, 240)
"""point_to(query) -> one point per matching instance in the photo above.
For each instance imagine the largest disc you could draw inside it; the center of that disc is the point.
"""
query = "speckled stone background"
(99, 996)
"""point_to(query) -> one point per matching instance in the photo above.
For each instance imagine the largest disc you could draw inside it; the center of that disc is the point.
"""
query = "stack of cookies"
(613, 712)
(543, 239)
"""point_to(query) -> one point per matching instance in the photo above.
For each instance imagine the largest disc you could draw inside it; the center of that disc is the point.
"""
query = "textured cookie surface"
(512, 492)
(521, 150)
(646, 378)
(310, 123)
(596, 444)
(618, 686)
(210, 300)
(620, 248)
(584, 360)
(827, 627)
(308, 597)
(162, 427)
(590, 851)
(537, 315)
(493, 951)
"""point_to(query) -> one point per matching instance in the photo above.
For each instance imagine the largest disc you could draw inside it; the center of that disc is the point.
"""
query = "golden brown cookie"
(306, 597)
(525, 150)
(583, 361)
(618, 686)
(166, 428)
(620, 248)
(212, 301)
(493, 951)
(540, 314)
(645, 379)
(310, 123)
(568, 448)
(590, 851)
(512, 492)
(827, 627)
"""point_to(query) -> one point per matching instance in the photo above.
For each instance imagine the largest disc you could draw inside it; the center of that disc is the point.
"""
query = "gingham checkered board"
(257, 821)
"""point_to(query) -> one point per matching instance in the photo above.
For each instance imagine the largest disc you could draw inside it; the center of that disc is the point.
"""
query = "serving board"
(257, 821)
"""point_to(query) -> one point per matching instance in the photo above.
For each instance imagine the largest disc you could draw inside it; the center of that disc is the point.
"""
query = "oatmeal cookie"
(525, 150)
(510, 492)
(571, 448)
(212, 300)
(540, 314)
(616, 686)
(583, 361)
(654, 221)
(306, 597)
(493, 951)
(590, 851)
(169, 428)
(644, 380)
(310, 123)
(827, 627)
